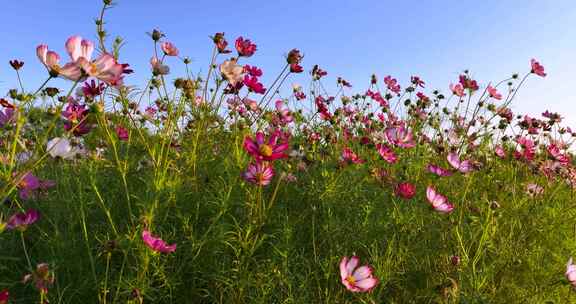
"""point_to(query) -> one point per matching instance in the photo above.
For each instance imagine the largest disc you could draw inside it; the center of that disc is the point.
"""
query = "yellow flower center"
(351, 280)
(265, 150)
(93, 68)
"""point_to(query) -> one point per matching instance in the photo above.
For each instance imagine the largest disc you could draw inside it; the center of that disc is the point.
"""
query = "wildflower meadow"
(213, 186)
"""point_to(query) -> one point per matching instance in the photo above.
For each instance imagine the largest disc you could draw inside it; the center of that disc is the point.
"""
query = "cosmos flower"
(537, 68)
(438, 201)
(245, 47)
(356, 279)
(30, 184)
(42, 277)
(457, 89)
(156, 243)
(494, 93)
(462, 166)
(262, 149)
(169, 48)
(405, 190)
(232, 71)
(259, 173)
(61, 147)
(21, 220)
(387, 153)
(571, 273)
(438, 170)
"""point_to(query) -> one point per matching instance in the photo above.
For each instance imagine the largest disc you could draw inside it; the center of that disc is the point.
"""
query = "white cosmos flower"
(61, 147)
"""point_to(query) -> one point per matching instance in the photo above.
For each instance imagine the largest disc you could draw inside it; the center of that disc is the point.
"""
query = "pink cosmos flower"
(462, 166)
(400, 136)
(392, 84)
(91, 89)
(494, 93)
(252, 71)
(22, 220)
(51, 60)
(30, 184)
(349, 156)
(156, 243)
(122, 133)
(245, 47)
(387, 153)
(571, 273)
(254, 85)
(169, 48)
(259, 173)
(500, 152)
(356, 279)
(457, 89)
(554, 151)
(416, 81)
(269, 150)
(75, 115)
(537, 68)
(158, 68)
(104, 67)
(405, 190)
(296, 68)
(284, 112)
(468, 83)
(528, 149)
(438, 201)
(438, 170)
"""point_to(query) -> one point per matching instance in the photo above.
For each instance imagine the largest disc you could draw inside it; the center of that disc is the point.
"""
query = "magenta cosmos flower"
(30, 184)
(169, 48)
(245, 47)
(400, 136)
(356, 279)
(42, 277)
(262, 149)
(20, 221)
(156, 243)
(462, 166)
(438, 170)
(494, 93)
(259, 173)
(387, 153)
(438, 201)
(537, 68)
(405, 190)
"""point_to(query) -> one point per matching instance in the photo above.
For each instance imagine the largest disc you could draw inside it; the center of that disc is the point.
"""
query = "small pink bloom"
(537, 68)
(534, 190)
(220, 43)
(254, 85)
(169, 48)
(156, 243)
(232, 71)
(245, 47)
(252, 71)
(571, 273)
(494, 93)
(51, 61)
(400, 136)
(457, 90)
(30, 184)
(500, 152)
(438, 170)
(405, 190)
(22, 220)
(387, 153)
(349, 156)
(438, 201)
(356, 279)
(462, 166)
(259, 173)
(269, 150)
(122, 133)
(392, 84)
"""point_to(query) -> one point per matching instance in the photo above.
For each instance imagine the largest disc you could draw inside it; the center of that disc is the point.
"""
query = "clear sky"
(351, 38)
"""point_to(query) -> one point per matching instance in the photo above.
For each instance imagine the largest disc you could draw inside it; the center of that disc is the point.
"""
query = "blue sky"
(352, 39)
